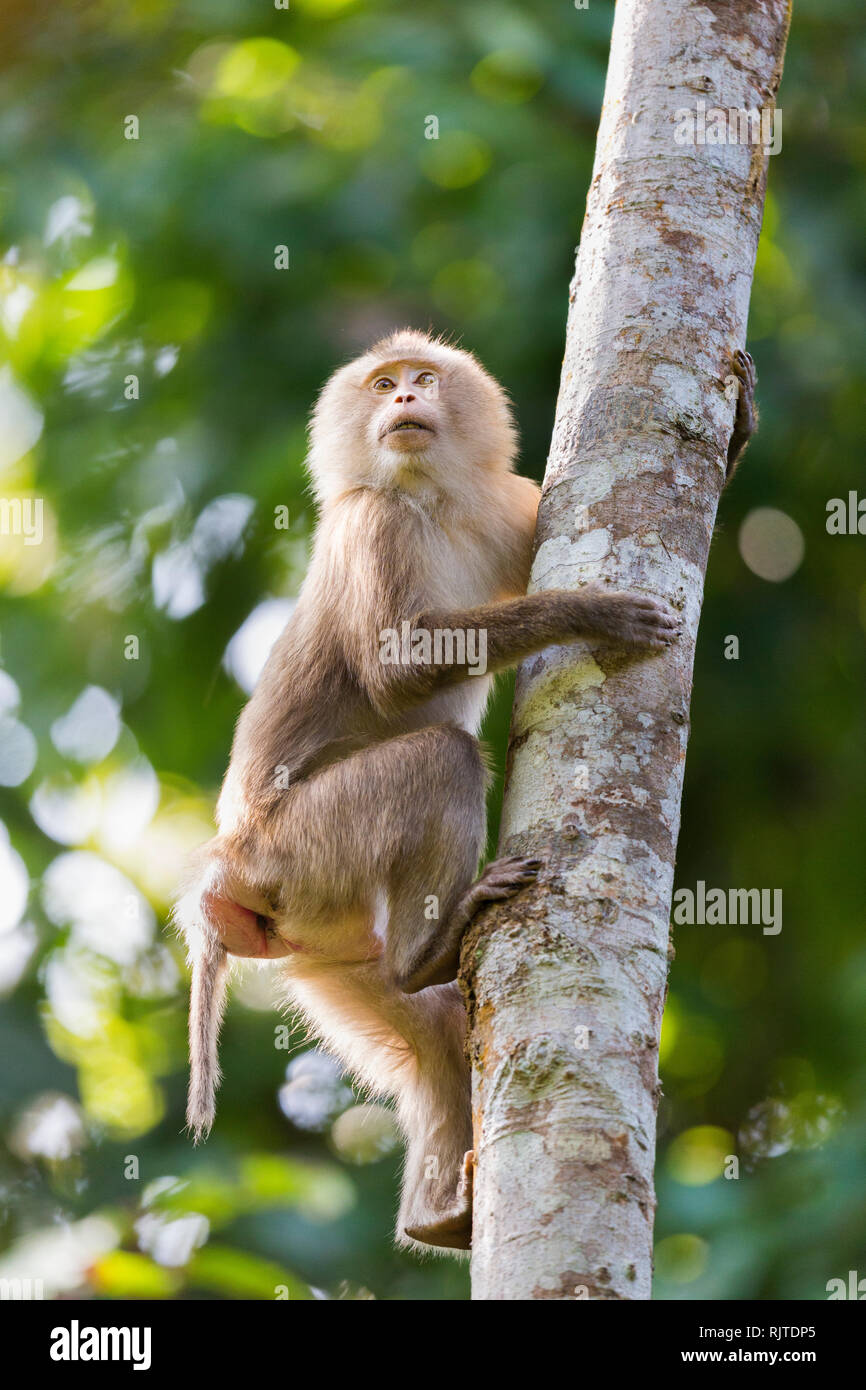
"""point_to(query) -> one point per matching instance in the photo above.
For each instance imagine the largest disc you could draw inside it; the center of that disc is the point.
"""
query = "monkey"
(351, 820)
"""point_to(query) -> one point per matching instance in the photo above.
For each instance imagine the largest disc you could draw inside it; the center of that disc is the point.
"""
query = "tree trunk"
(566, 985)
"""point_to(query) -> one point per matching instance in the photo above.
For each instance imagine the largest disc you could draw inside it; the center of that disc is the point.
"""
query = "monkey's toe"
(501, 880)
(506, 876)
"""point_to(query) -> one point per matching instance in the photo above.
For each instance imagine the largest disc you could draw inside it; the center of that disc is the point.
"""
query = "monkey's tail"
(206, 1003)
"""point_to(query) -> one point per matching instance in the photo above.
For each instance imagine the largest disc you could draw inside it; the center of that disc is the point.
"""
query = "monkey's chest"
(464, 705)
(454, 572)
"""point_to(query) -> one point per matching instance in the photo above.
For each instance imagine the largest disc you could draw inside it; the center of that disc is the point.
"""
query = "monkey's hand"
(632, 618)
(746, 416)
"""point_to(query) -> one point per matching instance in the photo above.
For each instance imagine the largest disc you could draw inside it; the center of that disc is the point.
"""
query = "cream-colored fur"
(355, 795)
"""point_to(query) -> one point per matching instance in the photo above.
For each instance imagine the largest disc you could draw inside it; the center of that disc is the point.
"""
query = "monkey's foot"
(452, 1230)
(637, 620)
(500, 880)
(746, 416)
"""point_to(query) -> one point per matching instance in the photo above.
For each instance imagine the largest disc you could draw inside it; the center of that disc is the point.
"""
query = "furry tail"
(206, 1003)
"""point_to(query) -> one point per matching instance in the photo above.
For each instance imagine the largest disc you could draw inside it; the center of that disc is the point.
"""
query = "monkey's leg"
(500, 880)
(436, 1115)
(746, 417)
(429, 883)
(412, 1049)
(404, 818)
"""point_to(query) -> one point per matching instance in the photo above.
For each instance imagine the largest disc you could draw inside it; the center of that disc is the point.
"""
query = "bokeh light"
(771, 544)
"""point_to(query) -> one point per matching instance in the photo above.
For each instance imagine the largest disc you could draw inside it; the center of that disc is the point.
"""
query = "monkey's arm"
(511, 537)
(518, 627)
(746, 417)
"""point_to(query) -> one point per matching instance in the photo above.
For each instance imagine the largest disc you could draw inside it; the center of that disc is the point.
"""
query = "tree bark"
(565, 985)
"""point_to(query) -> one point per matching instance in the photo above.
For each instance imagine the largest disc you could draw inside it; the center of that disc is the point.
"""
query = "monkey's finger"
(744, 367)
(642, 604)
(648, 627)
(659, 617)
(666, 632)
(658, 632)
(651, 635)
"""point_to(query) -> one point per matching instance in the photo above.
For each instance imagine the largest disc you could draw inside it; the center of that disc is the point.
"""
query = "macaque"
(352, 817)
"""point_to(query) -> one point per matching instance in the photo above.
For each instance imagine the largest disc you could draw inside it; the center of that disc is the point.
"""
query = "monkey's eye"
(383, 383)
(426, 379)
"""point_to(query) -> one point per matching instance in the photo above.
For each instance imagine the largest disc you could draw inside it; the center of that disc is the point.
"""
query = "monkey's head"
(412, 413)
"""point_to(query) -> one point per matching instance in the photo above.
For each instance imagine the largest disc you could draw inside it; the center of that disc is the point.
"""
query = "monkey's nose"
(403, 400)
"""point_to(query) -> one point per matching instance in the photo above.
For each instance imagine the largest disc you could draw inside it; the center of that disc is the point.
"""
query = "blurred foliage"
(157, 371)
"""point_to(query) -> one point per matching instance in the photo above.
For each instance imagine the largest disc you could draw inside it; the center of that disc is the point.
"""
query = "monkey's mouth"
(408, 425)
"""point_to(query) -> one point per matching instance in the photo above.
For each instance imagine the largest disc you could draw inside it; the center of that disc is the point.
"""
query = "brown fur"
(379, 805)
(745, 413)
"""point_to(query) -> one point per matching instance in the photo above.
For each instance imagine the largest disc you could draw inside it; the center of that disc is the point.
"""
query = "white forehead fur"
(476, 432)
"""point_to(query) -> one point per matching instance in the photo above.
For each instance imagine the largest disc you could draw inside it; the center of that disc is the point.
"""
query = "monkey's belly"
(464, 706)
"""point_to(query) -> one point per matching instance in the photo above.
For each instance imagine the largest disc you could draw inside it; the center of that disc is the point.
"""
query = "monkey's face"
(414, 414)
(404, 414)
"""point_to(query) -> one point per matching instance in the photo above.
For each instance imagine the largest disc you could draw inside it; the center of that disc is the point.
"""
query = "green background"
(154, 258)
